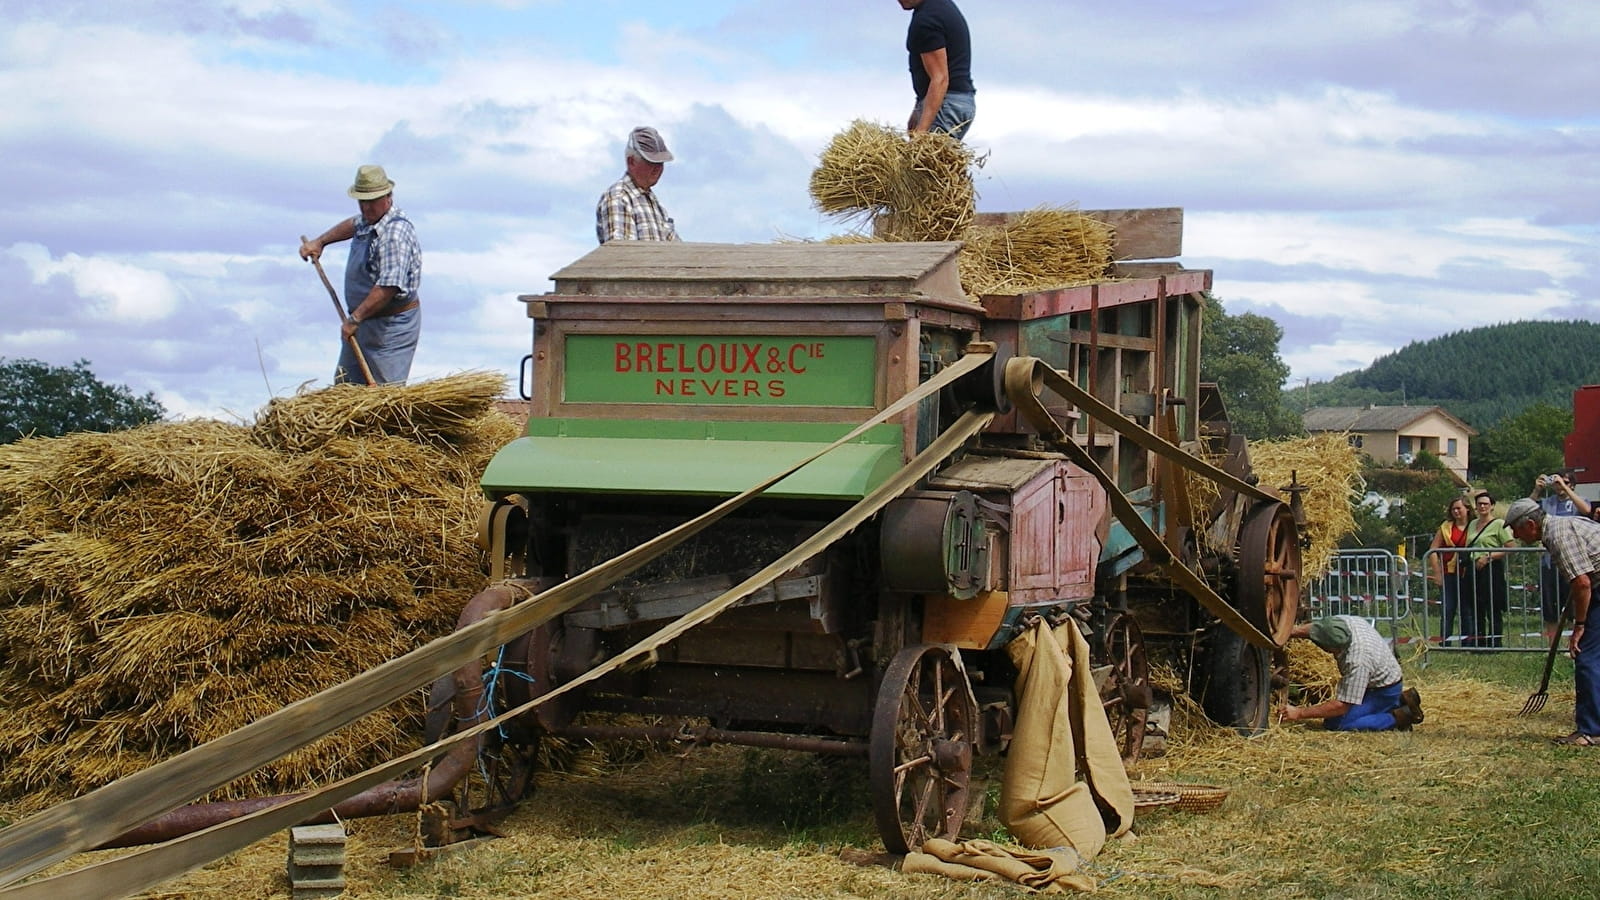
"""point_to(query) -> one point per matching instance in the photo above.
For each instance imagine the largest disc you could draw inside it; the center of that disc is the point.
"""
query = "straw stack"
(920, 189)
(163, 586)
(1329, 468)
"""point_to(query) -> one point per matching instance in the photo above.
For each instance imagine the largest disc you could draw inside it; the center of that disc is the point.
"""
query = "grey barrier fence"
(1373, 584)
(1489, 605)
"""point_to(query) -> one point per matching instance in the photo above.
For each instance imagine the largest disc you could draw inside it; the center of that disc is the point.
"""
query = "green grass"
(1474, 803)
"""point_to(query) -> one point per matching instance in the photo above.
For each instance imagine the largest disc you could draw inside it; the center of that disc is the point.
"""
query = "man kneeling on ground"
(1370, 696)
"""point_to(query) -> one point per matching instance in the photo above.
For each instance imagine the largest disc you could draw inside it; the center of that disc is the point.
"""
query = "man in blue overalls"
(381, 281)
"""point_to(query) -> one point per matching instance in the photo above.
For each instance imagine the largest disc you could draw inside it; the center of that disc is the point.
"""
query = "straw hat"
(371, 183)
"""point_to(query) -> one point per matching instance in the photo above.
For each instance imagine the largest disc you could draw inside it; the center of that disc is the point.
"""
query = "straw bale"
(431, 413)
(1329, 468)
(910, 189)
(162, 586)
(1041, 249)
(920, 189)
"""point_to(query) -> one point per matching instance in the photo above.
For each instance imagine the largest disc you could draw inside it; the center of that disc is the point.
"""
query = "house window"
(1356, 440)
(1450, 447)
(1405, 444)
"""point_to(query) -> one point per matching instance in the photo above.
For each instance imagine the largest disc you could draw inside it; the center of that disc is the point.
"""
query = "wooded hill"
(1481, 375)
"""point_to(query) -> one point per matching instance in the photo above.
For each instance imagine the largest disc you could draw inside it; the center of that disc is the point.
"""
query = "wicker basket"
(1146, 799)
(1197, 798)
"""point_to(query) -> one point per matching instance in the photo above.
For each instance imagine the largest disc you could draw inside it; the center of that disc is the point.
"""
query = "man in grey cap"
(1574, 546)
(381, 281)
(629, 210)
(1370, 696)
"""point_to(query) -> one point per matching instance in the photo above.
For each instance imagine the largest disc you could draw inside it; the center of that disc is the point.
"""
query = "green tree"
(1240, 354)
(1509, 456)
(48, 401)
(1423, 508)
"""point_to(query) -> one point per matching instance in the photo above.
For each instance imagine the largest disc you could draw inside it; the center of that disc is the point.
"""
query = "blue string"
(491, 683)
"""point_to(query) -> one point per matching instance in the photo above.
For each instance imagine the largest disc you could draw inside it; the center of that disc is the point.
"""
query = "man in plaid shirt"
(1370, 696)
(382, 282)
(1574, 545)
(628, 210)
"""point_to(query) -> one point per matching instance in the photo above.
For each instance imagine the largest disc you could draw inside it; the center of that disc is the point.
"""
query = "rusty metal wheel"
(924, 731)
(502, 775)
(1268, 583)
(1126, 693)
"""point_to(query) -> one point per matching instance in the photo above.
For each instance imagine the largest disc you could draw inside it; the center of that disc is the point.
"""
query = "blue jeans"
(1373, 712)
(1586, 674)
(955, 114)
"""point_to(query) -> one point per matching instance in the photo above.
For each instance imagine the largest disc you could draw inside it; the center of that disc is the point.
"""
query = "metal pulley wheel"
(935, 543)
(1267, 589)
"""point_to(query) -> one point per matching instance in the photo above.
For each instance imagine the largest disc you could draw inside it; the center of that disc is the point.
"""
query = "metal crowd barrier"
(1372, 584)
(1521, 597)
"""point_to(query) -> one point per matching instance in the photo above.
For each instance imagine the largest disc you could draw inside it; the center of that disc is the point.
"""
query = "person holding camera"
(1560, 500)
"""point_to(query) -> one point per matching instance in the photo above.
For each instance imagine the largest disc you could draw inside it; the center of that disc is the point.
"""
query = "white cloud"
(127, 292)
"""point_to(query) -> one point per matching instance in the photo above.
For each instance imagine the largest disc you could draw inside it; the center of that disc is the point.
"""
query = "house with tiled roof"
(1396, 434)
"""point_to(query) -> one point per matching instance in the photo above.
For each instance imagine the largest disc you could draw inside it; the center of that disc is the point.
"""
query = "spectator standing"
(1448, 571)
(629, 209)
(1487, 536)
(382, 281)
(939, 48)
(1574, 545)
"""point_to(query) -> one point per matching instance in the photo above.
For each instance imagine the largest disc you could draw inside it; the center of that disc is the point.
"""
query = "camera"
(1548, 480)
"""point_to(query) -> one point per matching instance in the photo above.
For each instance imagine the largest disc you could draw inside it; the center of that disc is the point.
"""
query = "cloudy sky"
(1367, 173)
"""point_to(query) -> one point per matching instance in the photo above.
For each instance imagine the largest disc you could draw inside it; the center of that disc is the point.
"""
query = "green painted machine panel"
(746, 370)
(691, 458)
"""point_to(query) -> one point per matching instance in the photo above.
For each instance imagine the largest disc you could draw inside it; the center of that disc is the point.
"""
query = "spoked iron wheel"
(1268, 587)
(924, 730)
(501, 775)
(1126, 694)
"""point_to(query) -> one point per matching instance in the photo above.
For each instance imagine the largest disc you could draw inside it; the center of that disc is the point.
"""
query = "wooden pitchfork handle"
(334, 296)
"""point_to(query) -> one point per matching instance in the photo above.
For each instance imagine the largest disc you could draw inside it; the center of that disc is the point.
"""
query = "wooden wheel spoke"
(919, 774)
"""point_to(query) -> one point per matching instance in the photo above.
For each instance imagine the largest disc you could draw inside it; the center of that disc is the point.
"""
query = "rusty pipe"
(396, 796)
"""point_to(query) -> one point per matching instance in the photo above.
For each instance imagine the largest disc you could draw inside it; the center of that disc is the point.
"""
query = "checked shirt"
(627, 212)
(1366, 663)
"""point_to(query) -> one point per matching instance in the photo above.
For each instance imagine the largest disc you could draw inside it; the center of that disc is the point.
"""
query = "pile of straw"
(1042, 248)
(163, 586)
(1329, 468)
(921, 189)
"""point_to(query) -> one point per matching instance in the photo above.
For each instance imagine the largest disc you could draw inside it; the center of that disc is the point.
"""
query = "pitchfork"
(1537, 699)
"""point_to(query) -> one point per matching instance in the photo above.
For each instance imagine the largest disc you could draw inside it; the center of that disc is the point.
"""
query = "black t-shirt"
(936, 24)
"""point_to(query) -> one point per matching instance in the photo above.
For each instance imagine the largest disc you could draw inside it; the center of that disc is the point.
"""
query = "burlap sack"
(1064, 783)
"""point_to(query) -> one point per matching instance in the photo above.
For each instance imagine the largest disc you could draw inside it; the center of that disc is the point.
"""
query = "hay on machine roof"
(162, 586)
(920, 189)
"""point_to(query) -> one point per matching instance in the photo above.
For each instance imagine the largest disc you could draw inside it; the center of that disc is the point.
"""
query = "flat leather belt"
(396, 311)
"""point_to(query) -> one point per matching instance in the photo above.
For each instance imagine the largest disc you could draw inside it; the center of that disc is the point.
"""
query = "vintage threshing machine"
(1029, 456)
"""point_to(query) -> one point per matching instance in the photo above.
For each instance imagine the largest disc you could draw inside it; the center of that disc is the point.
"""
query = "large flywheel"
(1267, 588)
(924, 732)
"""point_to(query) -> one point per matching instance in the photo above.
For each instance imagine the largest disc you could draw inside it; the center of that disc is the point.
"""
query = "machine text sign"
(759, 370)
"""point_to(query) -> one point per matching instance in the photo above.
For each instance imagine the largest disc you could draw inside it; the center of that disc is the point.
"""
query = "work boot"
(1413, 702)
(1403, 718)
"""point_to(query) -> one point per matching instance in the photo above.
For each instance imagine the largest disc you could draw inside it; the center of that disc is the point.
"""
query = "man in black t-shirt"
(940, 51)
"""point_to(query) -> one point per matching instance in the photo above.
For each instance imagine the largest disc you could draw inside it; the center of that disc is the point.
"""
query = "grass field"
(1475, 802)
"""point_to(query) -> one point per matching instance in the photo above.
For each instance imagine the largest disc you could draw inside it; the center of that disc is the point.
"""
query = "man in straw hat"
(1574, 544)
(629, 210)
(1370, 696)
(381, 280)
(940, 51)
